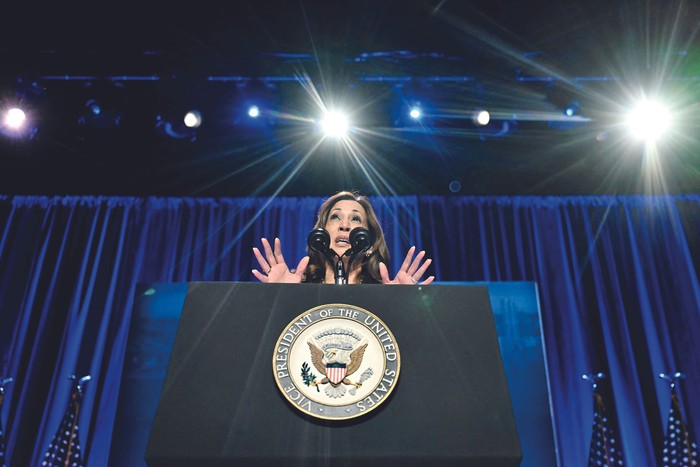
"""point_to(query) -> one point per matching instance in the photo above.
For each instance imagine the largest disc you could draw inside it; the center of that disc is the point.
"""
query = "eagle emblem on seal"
(336, 354)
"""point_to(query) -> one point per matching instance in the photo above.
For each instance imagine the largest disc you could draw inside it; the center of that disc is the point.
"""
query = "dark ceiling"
(524, 60)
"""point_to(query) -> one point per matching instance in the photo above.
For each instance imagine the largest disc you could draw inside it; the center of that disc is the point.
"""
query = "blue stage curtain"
(617, 278)
(618, 288)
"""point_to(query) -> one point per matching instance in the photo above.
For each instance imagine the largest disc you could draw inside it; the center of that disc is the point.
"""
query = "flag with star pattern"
(680, 450)
(64, 450)
(605, 450)
(3, 463)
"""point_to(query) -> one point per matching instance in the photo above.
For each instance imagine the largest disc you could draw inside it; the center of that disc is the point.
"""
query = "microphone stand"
(319, 240)
(341, 276)
(360, 239)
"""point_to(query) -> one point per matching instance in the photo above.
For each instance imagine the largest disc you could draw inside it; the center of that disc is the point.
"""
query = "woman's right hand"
(274, 268)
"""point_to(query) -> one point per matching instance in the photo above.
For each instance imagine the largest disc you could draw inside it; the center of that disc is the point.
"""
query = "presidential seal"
(336, 362)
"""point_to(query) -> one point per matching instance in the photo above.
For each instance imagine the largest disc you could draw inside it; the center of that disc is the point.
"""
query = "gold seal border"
(336, 305)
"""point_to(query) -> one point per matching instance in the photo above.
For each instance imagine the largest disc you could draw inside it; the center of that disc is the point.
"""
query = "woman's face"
(344, 216)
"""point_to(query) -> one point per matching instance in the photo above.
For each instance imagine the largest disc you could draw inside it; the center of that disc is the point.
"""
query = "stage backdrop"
(617, 278)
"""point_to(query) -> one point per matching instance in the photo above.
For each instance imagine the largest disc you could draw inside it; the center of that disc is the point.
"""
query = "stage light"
(15, 118)
(16, 123)
(193, 119)
(335, 124)
(95, 109)
(255, 102)
(413, 114)
(482, 117)
(571, 117)
(648, 120)
(572, 109)
(97, 115)
(253, 111)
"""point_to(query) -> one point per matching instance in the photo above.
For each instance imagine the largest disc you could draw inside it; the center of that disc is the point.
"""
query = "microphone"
(319, 240)
(360, 241)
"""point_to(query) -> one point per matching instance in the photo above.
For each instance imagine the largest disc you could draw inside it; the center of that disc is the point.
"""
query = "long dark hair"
(369, 265)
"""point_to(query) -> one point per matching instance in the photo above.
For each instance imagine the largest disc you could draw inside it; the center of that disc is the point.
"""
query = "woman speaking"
(339, 215)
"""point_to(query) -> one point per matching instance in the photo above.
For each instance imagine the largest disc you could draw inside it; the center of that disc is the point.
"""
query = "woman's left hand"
(410, 272)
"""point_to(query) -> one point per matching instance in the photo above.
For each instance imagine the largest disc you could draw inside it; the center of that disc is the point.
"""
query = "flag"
(2, 433)
(64, 450)
(604, 448)
(679, 448)
(3, 383)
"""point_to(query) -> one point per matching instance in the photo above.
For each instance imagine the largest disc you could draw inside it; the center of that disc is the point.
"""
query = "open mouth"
(342, 241)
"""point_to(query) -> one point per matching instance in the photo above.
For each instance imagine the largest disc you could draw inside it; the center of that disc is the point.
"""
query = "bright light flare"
(571, 110)
(193, 119)
(415, 113)
(482, 117)
(15, 118)
(649, 120)
(95, 109)
(335, 124)
(253, 111)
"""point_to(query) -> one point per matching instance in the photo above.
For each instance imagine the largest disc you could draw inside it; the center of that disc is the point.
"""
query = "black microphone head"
(360, 239)
(319, 240)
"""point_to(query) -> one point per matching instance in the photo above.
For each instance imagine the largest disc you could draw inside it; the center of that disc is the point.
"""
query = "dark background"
(524, 60)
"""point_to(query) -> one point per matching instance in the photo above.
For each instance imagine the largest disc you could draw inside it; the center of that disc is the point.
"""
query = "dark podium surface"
(220, 404)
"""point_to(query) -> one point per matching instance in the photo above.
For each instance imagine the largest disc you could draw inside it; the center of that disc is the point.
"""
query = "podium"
(220, 404)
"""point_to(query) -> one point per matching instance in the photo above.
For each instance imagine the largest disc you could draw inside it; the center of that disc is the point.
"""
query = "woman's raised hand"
(274, 268)
(410, 272)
